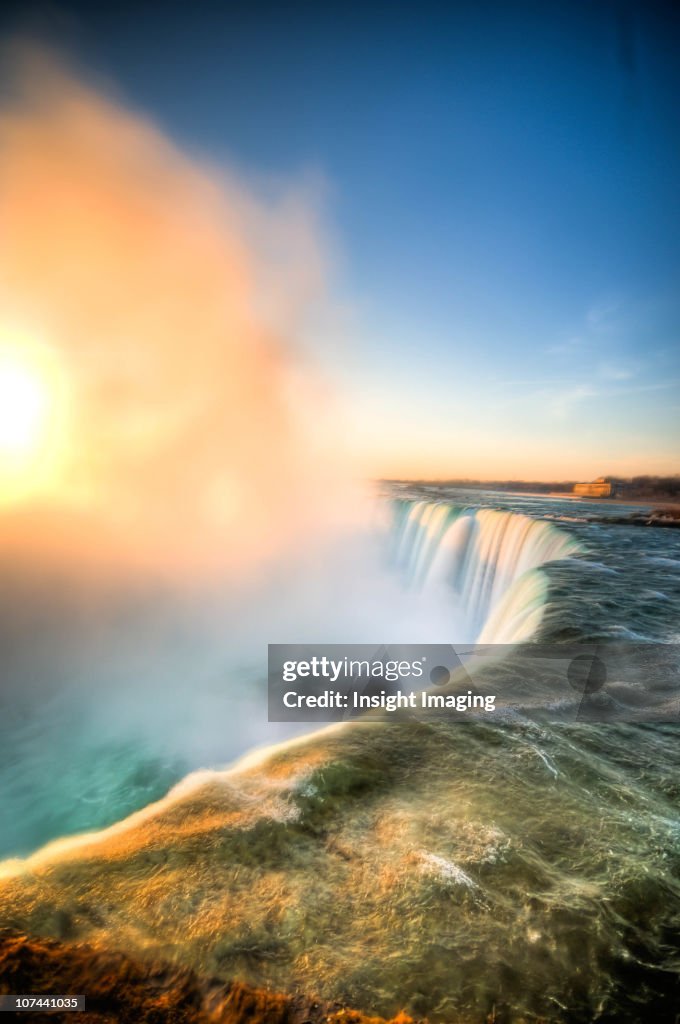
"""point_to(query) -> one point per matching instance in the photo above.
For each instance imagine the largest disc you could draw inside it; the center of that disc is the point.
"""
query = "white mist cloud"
(198, 432)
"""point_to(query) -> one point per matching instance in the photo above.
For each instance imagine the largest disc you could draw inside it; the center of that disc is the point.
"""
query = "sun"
(24, 405)
(31, 399)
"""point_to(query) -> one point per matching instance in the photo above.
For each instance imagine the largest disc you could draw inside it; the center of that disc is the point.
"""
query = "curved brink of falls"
(490, 559)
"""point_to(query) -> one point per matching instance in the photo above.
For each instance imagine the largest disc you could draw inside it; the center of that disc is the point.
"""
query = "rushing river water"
(524, 870)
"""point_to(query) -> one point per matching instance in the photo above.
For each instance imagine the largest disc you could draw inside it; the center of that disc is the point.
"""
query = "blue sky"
(501, 180)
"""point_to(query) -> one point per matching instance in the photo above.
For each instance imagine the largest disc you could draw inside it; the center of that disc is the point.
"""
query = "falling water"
(491, 561)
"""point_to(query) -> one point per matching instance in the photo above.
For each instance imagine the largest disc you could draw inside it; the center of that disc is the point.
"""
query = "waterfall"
(491, 560)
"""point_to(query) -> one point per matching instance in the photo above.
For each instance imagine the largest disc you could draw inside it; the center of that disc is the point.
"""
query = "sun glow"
(31, 399)
(23, 404)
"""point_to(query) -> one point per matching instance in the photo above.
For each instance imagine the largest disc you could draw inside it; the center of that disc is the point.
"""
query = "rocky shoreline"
(122, 990)
(663, 517)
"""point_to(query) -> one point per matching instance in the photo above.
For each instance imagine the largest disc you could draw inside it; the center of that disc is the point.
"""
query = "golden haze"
(194, 433)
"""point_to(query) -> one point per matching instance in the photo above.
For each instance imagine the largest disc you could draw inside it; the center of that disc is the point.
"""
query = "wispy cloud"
(661, 385)
(562, 403)
(599, 323)
(616, 371)
(567, 347)
(603, 316)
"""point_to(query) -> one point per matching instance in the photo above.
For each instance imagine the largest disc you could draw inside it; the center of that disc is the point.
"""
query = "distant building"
(600, 488)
